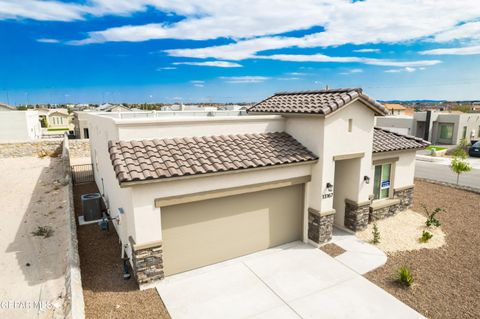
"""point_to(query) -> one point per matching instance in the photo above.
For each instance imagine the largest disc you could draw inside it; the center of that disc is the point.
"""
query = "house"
(446, 128)
(19, 126)
(58, 118)
(395, 109)
(80, 123)
(106, 107)
(6, 107)
(188, 190)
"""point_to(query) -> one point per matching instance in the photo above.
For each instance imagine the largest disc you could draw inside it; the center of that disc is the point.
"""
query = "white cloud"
(406, 69)
(326, 58)
(197, 82)
(367, 50)
(470, 31)
(244, 79)
(45, 40)
(352, 71)
(167, 68)
(472, 50)
(41, 10)
(297, 73)
(219, 64)
(198, 85)
(288, 79)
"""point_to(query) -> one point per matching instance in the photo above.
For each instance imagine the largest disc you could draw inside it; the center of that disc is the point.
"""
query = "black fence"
(82, 174)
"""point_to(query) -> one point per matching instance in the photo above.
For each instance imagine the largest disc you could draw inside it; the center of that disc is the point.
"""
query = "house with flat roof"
(444, 128)
(19, 126)
(189, 189)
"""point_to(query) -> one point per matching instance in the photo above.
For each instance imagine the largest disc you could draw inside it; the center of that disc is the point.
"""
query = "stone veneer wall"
(356, 215)
(147, 262)
(32, 148)
(405, 194)
(320, 226)
(383, 212)
(79, 148)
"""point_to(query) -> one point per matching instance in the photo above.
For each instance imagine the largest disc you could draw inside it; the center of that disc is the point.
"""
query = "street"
(440, 171)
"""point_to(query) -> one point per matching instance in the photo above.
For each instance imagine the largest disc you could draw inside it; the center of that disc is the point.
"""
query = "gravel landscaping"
(106, 294)
(446, 279)
(402, 232)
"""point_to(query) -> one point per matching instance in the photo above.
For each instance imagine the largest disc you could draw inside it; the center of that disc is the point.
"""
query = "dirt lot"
(33, 260)
(447, 279)
(106, 294)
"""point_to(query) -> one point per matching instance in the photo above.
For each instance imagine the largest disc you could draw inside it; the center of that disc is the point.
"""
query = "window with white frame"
(381, 186)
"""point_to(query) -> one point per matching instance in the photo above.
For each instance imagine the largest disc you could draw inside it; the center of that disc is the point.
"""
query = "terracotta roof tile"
(160, 159)
(385, 141)
(313, 102)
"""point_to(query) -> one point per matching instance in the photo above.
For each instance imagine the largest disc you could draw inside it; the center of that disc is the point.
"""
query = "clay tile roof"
(320, 102)
(385, 141)
(135, 160)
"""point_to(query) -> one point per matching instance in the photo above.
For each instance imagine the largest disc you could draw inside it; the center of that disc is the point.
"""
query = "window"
(446, 131)
(85, 133)
(464, 133)
(350, 125)
(381, 186)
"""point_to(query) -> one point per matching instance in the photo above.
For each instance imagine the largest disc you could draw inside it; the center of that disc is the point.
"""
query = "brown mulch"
(446, 279)
(106, 293)
(332, 249)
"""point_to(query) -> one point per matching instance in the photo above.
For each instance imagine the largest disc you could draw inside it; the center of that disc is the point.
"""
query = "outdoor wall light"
(366, 179)
(330, 187)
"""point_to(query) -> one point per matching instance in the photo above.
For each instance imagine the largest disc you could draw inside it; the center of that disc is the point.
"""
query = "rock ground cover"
(446, 279)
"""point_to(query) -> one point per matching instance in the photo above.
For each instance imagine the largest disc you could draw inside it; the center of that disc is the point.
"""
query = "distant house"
(19, 126)
(106, 107)
(395, 109)
(437, 127)
(80, 122)
(6, 107)
(57, 119)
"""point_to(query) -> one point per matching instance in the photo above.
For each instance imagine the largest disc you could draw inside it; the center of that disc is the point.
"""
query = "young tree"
(460, 165)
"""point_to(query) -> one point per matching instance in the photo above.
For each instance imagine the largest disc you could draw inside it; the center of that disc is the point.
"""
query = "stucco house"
(189, 190)
(446, 128)
(19, 126)
(6, 107)
(395, 109)
(58, 119)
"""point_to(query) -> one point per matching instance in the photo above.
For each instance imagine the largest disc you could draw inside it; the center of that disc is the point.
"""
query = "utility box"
(92, 206)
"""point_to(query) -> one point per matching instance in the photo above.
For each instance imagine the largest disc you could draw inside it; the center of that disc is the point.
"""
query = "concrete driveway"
(291, 281)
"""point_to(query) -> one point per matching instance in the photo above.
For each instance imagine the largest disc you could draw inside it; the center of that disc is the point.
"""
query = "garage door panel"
(202, 233)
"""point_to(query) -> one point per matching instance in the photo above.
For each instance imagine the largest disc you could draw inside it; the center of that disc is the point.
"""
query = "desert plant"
(426, 236)
(43, 231)
(460, 165)
(404, 276)
(376, 234)
(432, 216)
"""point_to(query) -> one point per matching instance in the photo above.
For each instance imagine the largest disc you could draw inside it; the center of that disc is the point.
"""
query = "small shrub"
(404, 276)
(376, 234)
(431, 216)
(43, 231)
(426, 236)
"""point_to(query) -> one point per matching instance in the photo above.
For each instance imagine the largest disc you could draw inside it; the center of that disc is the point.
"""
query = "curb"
(460, 187)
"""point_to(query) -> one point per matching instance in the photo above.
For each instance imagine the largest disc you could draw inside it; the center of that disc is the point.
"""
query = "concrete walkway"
(359, 256)
(291, 281)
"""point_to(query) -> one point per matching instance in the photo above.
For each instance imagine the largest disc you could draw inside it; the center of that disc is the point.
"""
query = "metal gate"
(82, 174)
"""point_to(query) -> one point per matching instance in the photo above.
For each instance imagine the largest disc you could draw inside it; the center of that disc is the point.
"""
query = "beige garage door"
(206, 232)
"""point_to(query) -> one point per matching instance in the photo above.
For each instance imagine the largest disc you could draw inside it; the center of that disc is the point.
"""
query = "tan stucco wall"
(234, 225)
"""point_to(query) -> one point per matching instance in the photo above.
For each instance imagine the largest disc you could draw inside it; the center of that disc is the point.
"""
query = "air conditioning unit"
(92, 206)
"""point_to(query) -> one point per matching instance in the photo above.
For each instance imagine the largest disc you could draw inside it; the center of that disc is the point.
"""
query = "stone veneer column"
(320, 225)
(147, 261)
(405, 194)
(356, 214)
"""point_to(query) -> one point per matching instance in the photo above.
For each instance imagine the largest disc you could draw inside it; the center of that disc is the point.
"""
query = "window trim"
(392, 177)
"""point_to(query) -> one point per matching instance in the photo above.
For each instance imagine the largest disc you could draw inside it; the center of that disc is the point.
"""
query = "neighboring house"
(19, 126)
(112, 108)
(395, 109)
(187, 191)
(57, 119)
(6, 107)
(446, 128)
(182, 107)
(80, 123)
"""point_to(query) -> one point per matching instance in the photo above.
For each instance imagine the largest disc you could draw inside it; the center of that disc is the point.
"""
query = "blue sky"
(228, 51)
